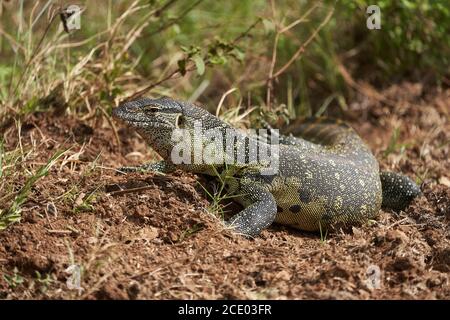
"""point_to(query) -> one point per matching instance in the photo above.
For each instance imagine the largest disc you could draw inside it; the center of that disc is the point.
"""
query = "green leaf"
(200, 64)
(219, 60)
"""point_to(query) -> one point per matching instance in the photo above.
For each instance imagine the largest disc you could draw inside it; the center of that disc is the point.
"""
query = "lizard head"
(149, 115)
(156, 119)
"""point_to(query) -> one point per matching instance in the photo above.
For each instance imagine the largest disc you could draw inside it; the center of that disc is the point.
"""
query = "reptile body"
(326, 175)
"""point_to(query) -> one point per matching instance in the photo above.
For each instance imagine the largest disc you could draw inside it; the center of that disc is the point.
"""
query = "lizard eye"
(151, 109)
(179, 121)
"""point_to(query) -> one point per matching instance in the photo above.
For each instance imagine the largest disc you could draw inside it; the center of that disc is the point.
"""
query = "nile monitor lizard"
(326, 175)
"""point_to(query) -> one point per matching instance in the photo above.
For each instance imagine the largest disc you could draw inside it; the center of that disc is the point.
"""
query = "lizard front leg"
(260, 210)
(161, 166)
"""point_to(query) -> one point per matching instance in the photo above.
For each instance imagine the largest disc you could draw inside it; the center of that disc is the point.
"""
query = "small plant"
(189, 232)
(70, 195)
(13, 280)
(220, 194)
(85, 203)
(323, 235)
(44, 280)
(13, 214)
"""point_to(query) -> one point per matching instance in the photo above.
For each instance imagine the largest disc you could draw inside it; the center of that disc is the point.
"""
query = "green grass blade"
(13, 214)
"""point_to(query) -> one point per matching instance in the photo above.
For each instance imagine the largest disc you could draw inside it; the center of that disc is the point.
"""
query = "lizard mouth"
(138, 120)
(141, 124)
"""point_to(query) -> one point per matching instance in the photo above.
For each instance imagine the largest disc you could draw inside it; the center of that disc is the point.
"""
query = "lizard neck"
(159, 140)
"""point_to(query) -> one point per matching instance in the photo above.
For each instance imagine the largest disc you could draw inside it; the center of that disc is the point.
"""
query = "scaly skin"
(327, 176)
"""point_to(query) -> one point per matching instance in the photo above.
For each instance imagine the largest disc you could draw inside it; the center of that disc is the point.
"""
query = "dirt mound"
(143, 235)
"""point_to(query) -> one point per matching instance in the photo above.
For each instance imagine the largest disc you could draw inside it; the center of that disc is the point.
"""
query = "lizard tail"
(398, 190)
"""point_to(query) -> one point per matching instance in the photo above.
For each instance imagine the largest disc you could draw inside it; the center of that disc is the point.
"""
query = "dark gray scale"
(305, 195)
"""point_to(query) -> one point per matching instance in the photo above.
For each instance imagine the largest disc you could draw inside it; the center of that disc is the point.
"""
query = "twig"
(60, 231)
(246, 32)
(173, 74)
(173, 21)
(274, 51)
(164, 7)
(365, 88)
(303, 47)
(130, 190)
(223, 99)
(397, 223)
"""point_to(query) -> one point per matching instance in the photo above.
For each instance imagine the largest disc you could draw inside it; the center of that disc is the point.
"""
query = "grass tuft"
(13, 214)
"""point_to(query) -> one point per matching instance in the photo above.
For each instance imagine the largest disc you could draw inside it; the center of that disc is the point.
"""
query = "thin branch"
(173, 21)
(223, 99)
(303, 47)
(131, 190)
(275, 47)
(246, 32)
(171, 75)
